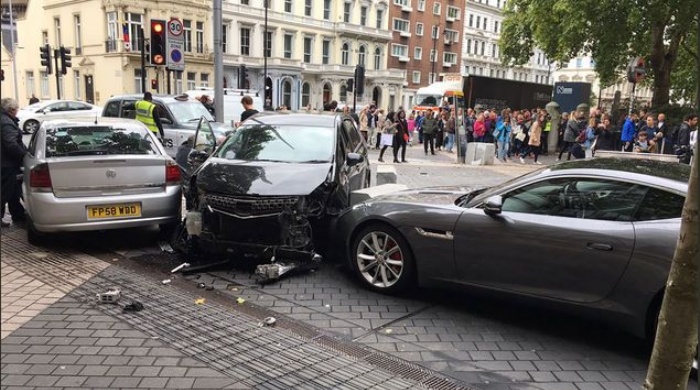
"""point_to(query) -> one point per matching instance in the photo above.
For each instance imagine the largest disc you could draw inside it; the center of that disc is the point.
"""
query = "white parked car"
(32, 116)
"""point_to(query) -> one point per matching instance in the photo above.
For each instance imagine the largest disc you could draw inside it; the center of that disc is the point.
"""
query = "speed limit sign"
(175, 27)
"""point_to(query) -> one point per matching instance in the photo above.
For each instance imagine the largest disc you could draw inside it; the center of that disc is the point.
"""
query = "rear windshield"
(97, 140)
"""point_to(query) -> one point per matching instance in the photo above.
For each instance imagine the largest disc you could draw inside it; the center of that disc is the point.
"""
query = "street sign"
(176, 45)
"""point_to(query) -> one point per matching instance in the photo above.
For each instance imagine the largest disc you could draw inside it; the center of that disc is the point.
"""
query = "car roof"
(90, 121)
(162, 97)
(665, 173)
(318, 119)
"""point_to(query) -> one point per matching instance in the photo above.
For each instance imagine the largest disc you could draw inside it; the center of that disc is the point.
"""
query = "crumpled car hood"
(430, 195)
(260, 178)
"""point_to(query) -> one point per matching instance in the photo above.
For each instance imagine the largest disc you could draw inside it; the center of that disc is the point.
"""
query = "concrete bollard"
(365, 194)
(386, 174)
(554, 112)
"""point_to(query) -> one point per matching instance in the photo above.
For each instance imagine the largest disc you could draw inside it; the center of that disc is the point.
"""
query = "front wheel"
(31, 126)
(382, 259)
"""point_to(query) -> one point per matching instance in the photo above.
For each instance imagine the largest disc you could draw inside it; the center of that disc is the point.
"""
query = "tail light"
(172, 173)
(40, 178)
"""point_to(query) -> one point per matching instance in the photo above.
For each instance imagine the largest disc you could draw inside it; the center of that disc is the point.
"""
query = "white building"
(480, 52)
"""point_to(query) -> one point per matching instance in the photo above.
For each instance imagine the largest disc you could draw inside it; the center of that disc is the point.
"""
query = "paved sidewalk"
(173, 343)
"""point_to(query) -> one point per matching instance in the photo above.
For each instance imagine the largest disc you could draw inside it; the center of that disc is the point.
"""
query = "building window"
(44, 84)
(486, 23)
(288, 41)
(347, 9)
(449, 58)
(199, 35)
(326, 52)
(137, 81)
(288, 6)
(579, 62)
(245, 41)
(417, 53)
(134, 25)
(363, 15)
(402, 25)
(471, 20)
(191, 80)
(490, 72)
(419, 29)
(478, 22)
(436, 8)
(415, 77)
(308, 46)
(305, 95)
(399, 50)
(421, 5)
(76, 84)
(493, 51)
(307, 7)
(245, 2)
(57, 31)
(435, 33)
(30, 84)
(453, 12)
(112, 32)
(469, 46)
(204, 78)
(268, 49)
(224, 38)
(483, 48)
(326, 9)
(403, 3)
(361, 56)
(187, 25)
(380, 17)
(178, 82)
(287, 93)
(78, 35)
(345, 54)
(495, 26)
(377, 58)
(432, 55)
(452, 36)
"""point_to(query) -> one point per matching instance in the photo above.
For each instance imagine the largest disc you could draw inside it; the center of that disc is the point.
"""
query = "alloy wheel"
(380, 259)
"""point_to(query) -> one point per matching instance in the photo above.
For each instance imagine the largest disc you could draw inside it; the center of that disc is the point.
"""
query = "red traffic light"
(158, 42)
(154, 84)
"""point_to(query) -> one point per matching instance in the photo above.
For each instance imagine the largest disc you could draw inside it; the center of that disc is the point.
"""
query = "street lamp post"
(265, 43)
(14, 52)
(435, 38)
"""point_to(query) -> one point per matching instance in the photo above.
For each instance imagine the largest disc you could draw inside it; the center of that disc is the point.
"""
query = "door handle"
(599, 246)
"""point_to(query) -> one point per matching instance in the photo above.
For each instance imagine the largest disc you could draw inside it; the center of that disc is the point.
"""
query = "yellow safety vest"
(144, 114)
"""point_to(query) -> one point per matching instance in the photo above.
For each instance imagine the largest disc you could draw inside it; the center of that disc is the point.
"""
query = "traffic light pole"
(167, 76)
(56, 54)
(354, 91)
(144, 75)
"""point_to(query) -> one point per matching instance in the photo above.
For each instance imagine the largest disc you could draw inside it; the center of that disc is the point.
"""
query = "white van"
(232, 101)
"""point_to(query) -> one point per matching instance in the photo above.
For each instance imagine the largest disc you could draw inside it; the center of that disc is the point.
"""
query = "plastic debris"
(240, 301)
(134, 306)
(165, 247)
(268, 321)
(179, 267)
(388, 331)
(166, 281)
(199, 301)
(201, 285)
(232, 287)
(111, 296)
(273, 271)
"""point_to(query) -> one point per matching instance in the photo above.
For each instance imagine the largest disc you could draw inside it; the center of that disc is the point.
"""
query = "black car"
(276, 183)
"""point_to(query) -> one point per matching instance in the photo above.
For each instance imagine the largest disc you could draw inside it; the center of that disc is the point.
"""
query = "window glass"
(353, 134)
(659, 204)
(98, 140)
(112, 109)
(189, 111)
(577, 198)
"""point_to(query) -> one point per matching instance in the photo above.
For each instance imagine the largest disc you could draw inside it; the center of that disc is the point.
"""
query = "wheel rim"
(31, 126)
(380, 259)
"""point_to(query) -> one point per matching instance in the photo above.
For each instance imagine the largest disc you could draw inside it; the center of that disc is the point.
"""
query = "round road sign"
(175, 27)
(176, 56)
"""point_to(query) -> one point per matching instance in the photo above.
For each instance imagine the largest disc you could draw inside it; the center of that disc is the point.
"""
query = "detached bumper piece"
(285, 261)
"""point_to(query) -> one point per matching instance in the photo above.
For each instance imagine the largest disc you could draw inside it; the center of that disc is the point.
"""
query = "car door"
(357, 174)
(567, 238)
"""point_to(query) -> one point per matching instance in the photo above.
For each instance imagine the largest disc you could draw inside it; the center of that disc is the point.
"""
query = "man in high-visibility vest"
(146, 114)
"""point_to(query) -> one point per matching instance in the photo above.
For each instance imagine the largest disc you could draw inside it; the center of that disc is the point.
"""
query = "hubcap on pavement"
(379, 259)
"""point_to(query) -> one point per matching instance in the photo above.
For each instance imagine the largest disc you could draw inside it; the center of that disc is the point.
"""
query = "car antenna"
(95, 118)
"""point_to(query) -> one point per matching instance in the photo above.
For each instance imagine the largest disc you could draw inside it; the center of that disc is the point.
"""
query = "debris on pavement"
(201, 285)
(179, 267)
(299, 260)
(268, 321)
(111, 296)
(134, 306)
(165, 247)
(166, 281)
(232, 287)
(209, 288)
(199, 301)
(240, 301)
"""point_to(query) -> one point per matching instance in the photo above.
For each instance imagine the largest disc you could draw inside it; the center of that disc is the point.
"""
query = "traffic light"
(65, 60)
(46, 58)
(242, 76)
(146, 52)
(158, 51)
(360, 79)
(350, 84)
(154, 84)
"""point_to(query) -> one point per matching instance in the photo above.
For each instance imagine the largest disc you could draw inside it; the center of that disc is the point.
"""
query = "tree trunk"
(661, 65)
(677, 333)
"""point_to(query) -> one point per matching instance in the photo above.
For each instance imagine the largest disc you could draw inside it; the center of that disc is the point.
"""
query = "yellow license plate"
(124, 210)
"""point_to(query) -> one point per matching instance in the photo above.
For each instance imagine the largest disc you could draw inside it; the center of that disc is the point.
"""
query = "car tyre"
(30, 126)
(382, 259)
(34, 236)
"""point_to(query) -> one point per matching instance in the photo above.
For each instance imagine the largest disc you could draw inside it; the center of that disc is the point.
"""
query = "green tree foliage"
(611, 31)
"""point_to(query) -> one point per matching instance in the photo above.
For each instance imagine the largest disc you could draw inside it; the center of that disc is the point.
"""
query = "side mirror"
(44, 111)
(493, 205)
(166, 121)
(354, 159)
(196, 158)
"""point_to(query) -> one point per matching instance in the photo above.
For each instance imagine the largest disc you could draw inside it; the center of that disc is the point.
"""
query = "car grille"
(248, 206)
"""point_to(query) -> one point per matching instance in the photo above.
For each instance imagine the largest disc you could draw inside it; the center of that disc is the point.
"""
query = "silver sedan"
(94, 174)
(594, 237)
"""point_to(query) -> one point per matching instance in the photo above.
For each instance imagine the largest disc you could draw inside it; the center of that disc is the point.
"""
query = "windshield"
(188, 111)
(495, 190)
(429, 100)
(97, 140)
(280, 143)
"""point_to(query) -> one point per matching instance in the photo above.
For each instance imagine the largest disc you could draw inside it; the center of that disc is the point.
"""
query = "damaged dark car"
(273, 189)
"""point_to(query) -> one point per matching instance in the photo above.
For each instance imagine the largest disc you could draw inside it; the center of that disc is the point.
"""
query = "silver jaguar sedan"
(595, 237)
(98, 173)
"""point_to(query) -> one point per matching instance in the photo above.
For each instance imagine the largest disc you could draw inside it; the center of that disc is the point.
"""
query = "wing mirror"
(354, 159)
(165, 121)
(493, 205)
(196, 158)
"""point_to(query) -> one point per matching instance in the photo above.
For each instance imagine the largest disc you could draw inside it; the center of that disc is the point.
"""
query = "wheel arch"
(652, 315)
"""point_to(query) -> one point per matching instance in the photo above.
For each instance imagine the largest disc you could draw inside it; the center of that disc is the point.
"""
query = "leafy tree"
(611, 31)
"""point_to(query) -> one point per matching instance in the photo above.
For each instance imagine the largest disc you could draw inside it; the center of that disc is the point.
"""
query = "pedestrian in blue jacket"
(629, 132)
